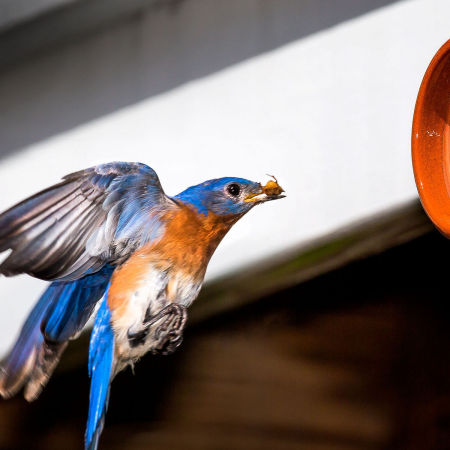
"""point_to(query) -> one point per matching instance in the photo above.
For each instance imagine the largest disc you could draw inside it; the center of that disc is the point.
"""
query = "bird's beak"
(270, 191)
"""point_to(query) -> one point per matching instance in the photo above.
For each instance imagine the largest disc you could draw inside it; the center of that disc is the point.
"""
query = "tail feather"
(101, 361)
(60, 314)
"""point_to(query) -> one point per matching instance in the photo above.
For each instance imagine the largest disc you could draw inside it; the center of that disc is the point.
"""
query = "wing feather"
(59, 235)
(93, 217)
(35, 210)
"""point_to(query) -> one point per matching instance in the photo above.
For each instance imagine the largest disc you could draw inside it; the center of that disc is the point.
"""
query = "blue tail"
(101, 354)
(60, 314)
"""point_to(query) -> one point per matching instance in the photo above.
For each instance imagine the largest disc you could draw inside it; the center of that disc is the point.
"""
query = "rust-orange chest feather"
(177, 260)
(191, 238)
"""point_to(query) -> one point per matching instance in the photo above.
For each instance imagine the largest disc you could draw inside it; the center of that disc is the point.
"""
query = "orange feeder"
(431, 140)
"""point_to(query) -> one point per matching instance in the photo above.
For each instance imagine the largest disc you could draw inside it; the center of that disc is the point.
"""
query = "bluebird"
(113, 245)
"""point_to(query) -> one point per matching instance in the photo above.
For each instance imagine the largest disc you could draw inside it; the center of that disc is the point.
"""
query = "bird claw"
(177, 315)
(168, 345)
(168, 336)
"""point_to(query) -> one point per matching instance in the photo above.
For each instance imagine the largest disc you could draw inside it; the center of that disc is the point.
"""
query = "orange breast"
(191, 238)
(186, 246)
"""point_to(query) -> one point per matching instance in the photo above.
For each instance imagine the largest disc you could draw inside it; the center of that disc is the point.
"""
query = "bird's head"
(229, 196)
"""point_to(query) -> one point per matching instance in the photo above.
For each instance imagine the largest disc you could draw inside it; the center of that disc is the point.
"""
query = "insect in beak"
(270, 191)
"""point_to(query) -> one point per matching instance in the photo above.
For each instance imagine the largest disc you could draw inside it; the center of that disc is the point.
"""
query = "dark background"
(355, 359)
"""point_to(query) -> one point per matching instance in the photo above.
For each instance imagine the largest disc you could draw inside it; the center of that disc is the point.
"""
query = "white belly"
(156, 289)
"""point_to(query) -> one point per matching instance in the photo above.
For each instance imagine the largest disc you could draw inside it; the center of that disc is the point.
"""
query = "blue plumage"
(61, 312)
(13, 372)
(81, 224)
(111, 227)
(209, 196)
(101, 351)
(77, 299)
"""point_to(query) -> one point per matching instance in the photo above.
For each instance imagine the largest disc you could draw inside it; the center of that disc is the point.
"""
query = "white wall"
(329, 114)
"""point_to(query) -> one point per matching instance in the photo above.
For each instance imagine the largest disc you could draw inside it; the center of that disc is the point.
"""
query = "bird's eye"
(234, 189)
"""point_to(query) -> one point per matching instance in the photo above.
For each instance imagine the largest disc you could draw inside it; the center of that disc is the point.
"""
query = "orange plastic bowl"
(431, 140)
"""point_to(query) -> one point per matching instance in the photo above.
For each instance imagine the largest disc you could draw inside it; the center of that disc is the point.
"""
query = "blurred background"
(323, 321)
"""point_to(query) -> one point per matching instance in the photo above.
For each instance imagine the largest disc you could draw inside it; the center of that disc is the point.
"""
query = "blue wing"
(101, 354)
(14, 372)
(61, 312)
(93, 217)
(68, 315)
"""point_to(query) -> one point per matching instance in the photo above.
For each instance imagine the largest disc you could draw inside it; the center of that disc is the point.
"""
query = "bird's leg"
(169, 335)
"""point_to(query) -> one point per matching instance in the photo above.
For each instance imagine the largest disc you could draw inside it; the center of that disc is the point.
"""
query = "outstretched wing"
(96, 216)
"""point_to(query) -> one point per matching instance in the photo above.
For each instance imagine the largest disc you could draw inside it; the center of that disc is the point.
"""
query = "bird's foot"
(167, 336)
